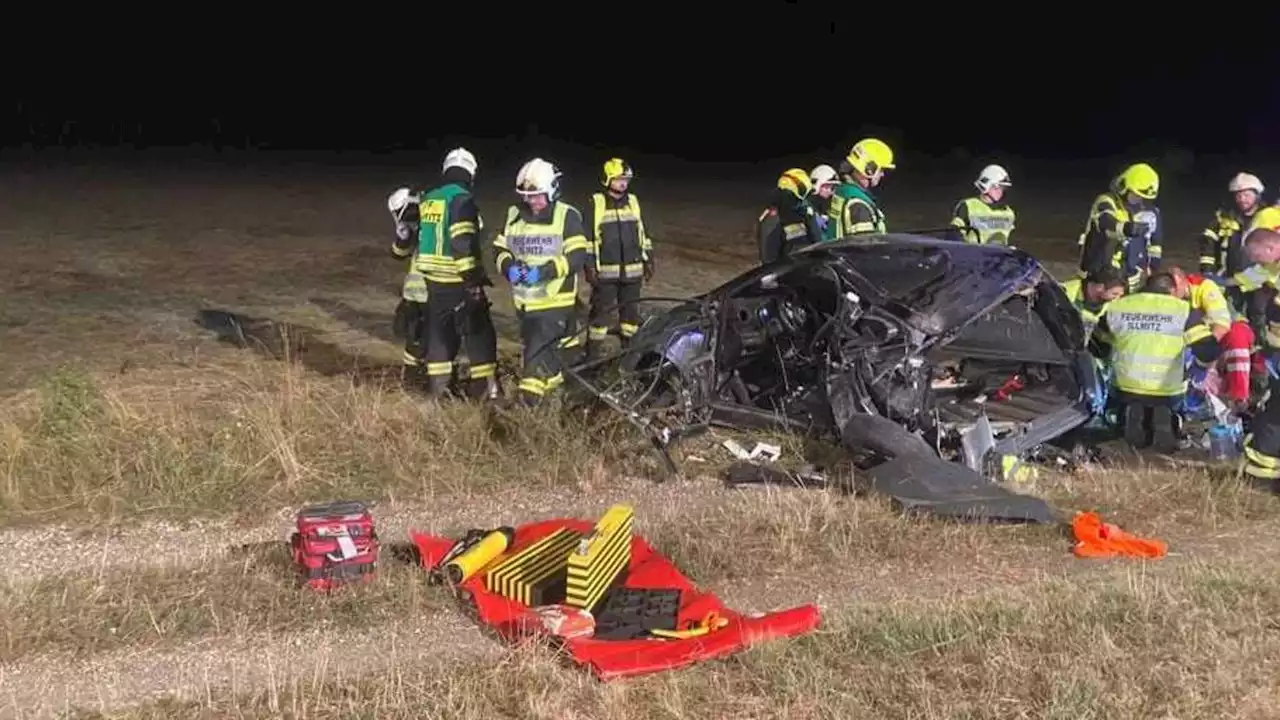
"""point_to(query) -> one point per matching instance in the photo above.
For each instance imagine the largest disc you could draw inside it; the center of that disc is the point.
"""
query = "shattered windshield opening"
(905, 274)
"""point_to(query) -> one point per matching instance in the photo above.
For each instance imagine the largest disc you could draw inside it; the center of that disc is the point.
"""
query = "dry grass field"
(149, 474)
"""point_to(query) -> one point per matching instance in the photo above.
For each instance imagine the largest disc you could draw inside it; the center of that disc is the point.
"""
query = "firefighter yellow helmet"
(1267, 218)
(796, 182)
(613, 169)
(870, 156)
(1141, 180)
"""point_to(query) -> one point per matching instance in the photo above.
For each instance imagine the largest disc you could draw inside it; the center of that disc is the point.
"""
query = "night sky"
(773, 85)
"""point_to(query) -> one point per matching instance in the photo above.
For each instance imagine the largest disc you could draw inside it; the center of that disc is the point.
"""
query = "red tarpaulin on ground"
(649, 569)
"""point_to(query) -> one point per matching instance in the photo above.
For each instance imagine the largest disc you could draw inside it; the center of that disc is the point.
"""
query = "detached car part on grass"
(931, 361)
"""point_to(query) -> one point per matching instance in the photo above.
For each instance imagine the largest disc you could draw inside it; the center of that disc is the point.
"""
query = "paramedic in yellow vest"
(540, 251)
(1124, 228)
(1235, 338)
(1150, 331)
(621, 257)
(854, 210)
(1090, 296)
(1262, 444)
(447, 258)
(985, 219)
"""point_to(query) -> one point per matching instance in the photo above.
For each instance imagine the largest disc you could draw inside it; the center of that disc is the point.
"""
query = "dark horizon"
(1053, 102)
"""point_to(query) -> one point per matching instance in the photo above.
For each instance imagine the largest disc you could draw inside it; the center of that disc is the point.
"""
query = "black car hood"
(943, 285)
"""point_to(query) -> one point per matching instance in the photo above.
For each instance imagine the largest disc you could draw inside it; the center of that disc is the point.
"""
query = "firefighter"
(621, 256)
(1123, 229)
(1235, 338)
(1091, 295)
(1149, 333)
(1253, 285)
(1222, 242)
(823, 179)
(448, 259)
(985, 219)
(854, 211)
(789, 222)
(1262, 444)
(410, 316)
(541, 249)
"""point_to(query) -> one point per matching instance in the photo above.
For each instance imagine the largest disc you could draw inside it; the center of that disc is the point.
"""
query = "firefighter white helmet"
(460, 158)
(397, 201)
(990, 177)
(823, 175)
(1245, 181)
(539, 177)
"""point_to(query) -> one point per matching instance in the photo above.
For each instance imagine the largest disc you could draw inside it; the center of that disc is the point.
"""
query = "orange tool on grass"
(1096, 539)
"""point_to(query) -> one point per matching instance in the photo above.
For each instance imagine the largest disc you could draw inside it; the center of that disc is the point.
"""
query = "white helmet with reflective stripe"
(1245, 181)
(460, 158)
(538, 177)
(990, 177)
(399, 199)
(823, 175)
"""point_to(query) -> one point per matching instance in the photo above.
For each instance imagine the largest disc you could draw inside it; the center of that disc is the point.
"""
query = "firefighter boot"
(484, 389)
(413, 378)
(1164, 430)
(438, 386)
(1135, 425)
(595, 350)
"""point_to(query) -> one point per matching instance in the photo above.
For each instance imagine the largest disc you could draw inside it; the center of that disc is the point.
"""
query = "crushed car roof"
(944, 283)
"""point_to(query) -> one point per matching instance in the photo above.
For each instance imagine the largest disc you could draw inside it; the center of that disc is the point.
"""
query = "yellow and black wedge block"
(535, 575)
(600, 559)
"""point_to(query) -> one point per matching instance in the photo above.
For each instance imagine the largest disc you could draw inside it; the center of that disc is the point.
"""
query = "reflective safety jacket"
(405, 246)
(1208, 303)
(788, 224)
(1090, 312)
(620, 244)
(554, 242)
(980, 223)
(1222, 243)
(448, 226)
(1149, 334)
(853, 211)
(1103, 241)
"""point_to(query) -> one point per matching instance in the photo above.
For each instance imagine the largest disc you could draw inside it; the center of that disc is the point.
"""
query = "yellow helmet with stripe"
(870, 156)
(613, 169)
(795, 181)
(1140, 179)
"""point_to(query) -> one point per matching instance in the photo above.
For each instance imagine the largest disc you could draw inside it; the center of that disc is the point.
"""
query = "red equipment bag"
(335, 544)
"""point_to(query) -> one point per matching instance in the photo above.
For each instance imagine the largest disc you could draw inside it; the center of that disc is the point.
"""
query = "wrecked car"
(934, 363)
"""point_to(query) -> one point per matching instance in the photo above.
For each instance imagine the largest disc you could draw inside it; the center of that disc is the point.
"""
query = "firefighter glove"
(648, 269)
(590, 272)
(515, 274)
